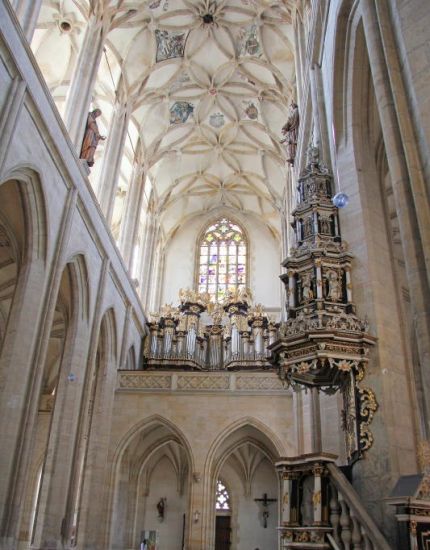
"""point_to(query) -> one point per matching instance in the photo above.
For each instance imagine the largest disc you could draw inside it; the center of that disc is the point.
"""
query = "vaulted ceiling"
(209, 83)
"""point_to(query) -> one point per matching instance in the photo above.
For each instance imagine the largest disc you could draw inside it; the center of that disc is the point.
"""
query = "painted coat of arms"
(180, 111)
(248, 43)
(170, 44)
(216, 120)
(251, 110)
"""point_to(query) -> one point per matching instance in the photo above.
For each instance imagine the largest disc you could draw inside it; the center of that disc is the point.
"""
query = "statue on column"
(91, 138)
(291, 131)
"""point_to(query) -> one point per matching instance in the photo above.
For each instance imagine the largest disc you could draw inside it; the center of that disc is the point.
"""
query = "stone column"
(317, 495)
(156, 266)
(300, 54)
(27, 12)
(410, 200)
(299, 421)
(287, 482)
(19, 346)
(321, 135)
(79, 94)
(319, 280)
(348, 284)
(55, 480)
(315, 221)
(112, 158)
(284, 217)
(147, 256)
(18, 412)
(82, 517)
(199, 517)
(291, 290)
(316, 437)
(315, 110)
(130, 222)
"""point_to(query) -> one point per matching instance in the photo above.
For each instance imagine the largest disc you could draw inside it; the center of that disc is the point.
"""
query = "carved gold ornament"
(316, 498)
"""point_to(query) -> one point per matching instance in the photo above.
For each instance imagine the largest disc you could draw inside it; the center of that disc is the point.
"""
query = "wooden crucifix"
(265, 501)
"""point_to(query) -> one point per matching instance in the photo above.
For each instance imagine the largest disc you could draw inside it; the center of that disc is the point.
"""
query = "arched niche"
(55, 382)
(244, 457)
(9, 268)
(23, 234)
(151, 481)
(86, 480)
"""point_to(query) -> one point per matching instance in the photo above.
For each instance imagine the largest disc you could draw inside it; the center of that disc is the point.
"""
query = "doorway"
(222, 532)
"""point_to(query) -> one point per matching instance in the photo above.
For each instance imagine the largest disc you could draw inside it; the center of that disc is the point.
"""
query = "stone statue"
(291, 131)
(334, 286)
(325, 225)
(160, 507)
(307, 292)
(91, 138)
(308, 227)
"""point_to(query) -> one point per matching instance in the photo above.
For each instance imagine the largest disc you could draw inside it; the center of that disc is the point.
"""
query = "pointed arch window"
(223, 253)
(222, 501)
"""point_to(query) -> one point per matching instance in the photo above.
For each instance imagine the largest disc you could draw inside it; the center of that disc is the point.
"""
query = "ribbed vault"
(208, 84)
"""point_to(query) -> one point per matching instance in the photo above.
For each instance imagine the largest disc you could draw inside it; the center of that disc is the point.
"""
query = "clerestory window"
(222, 262)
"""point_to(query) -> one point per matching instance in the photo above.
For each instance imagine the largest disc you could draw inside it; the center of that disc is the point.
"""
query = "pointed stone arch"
(136, 457)
(202, 280)
(274, 443)
(108, 336)
(94, 427)
(23, 235)
(149, 422)
(346, 21)
(243, 432)
(56, 392)
(34, 204)
(80, 281)
(131, 361)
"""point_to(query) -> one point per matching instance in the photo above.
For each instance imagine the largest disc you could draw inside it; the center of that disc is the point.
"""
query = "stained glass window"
(222, 501)
(222, 259)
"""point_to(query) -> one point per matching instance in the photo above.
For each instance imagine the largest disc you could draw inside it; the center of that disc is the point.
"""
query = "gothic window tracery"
(222, 501)
(222, 262)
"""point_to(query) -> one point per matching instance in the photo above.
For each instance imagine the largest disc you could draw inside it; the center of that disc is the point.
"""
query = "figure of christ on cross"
(265, 501)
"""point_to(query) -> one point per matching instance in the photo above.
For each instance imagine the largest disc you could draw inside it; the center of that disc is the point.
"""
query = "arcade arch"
(152, 486)
(244, 456)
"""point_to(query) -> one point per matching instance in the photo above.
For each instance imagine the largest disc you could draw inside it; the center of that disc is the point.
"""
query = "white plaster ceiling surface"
(209, 82)
(57, 41)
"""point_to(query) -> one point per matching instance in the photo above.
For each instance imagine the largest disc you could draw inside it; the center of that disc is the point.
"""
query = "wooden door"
(222, 533)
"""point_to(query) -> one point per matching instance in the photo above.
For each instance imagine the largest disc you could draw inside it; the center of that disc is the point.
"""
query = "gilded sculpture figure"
(187, 295)
(92, 137)
(290, 131)
(169, 311)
